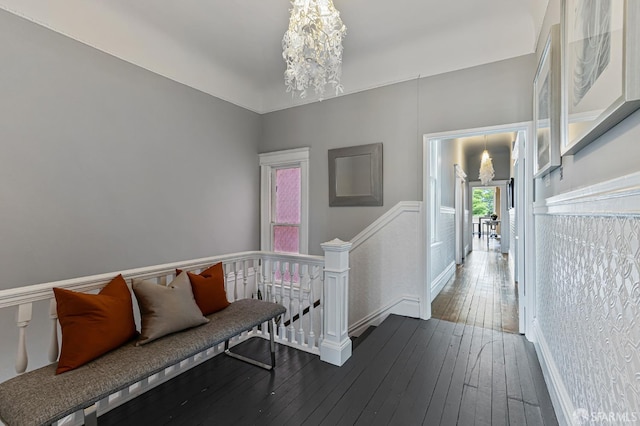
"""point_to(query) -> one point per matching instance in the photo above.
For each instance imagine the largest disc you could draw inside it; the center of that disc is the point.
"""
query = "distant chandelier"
(486, 166)
(312, 47)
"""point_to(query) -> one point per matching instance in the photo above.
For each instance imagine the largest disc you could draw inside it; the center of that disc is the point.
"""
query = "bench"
(41, 397)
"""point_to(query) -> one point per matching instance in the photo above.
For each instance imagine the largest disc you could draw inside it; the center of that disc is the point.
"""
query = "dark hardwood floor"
(467, 368)
(482, 292)
(406, 372)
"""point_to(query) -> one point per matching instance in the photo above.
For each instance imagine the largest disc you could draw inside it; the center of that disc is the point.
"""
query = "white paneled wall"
(385, 274)
(513, 246)
(443, 251)
(588, 298)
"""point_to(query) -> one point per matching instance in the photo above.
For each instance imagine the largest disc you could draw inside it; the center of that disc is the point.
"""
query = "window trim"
(270, 161)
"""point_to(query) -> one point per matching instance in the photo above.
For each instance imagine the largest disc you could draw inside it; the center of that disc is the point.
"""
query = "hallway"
(482, 292)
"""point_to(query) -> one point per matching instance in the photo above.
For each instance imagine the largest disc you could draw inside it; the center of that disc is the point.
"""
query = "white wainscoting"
(385, 261)
(588, 298)
(443, 256)
(513, 244)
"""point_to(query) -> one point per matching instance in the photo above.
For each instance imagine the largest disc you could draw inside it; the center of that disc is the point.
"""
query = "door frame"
(524, 191)
(459, 202)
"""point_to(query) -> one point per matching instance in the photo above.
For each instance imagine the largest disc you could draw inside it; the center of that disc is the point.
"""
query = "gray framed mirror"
(355, 176)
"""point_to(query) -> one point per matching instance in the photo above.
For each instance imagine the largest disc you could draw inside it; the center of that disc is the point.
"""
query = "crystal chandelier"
(312, 47)
(486, 166)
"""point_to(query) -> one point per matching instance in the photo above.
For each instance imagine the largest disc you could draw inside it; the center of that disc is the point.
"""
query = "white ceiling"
(232, 48)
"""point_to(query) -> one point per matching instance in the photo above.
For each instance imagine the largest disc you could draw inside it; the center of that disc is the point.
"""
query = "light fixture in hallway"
(312, 47)
(486, 166)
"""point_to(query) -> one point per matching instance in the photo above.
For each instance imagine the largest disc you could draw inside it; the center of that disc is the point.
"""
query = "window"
(285, 218)
(284, 201)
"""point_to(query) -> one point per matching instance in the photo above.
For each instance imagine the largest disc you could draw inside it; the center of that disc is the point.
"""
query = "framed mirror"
(355, 176)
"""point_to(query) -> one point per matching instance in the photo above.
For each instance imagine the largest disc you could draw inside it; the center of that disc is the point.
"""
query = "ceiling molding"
(232, 50)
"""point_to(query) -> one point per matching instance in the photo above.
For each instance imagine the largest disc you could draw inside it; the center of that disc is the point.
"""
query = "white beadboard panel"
(385, 264)
(384, 220)
(588, 303)
(512, 243)
(443, 252)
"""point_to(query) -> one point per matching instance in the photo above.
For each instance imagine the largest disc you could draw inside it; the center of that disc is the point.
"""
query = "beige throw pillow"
(166, 309)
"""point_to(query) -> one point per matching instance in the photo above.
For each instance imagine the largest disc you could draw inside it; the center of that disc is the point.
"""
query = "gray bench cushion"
(41, 397)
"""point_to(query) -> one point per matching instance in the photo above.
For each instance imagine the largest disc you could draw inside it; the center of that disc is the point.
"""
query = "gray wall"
(398, 116)
(386, 115)
(450, 152)
(105, 166)
(614, 154)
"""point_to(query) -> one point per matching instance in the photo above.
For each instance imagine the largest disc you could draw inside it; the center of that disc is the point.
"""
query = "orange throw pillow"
(215, 270)
(208, 289)
(93, 324)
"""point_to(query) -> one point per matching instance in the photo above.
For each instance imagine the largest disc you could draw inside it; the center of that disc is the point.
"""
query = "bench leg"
(272, 348)
(91, 415)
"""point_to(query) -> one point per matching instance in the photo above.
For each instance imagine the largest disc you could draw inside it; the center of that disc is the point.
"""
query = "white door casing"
(524, 189)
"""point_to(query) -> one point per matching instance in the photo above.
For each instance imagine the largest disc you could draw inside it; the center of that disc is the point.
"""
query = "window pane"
(287, 196)
(286, 239)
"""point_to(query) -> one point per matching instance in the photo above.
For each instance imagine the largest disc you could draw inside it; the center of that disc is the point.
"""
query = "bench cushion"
(42, 397)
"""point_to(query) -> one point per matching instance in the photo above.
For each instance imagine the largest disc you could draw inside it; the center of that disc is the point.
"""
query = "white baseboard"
(408, 306)
(562, 404)
(441, 280)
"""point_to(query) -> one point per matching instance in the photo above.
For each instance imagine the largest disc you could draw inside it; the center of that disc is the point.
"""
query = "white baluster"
(292, 329)
(283, 330)
(225, 273)
(235, 281)
(269, 274)
(245, 276)
(274, 295)
(258, 266)
(162, 280)
(312, 309)
(23, 317)
(53, 345)
(301, 270)
(321, 308)
(259, 278)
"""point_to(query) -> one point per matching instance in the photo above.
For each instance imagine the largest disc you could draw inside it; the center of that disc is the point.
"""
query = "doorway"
(491, 217)
(511, 219)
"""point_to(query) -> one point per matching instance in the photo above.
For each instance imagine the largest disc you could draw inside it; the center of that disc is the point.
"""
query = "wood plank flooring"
(406, 372)
(482, 292)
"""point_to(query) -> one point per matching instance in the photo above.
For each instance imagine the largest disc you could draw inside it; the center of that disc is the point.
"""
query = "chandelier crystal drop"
(486, 169)
(312, 47)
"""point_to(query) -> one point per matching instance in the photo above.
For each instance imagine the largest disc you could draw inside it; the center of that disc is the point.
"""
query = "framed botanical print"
(601, 45)
(546, 107)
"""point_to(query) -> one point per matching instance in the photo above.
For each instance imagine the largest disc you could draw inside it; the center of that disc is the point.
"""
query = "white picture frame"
(546, 107)
(601, 71)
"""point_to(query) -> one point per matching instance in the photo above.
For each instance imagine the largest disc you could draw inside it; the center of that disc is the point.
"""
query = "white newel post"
(336, 345)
